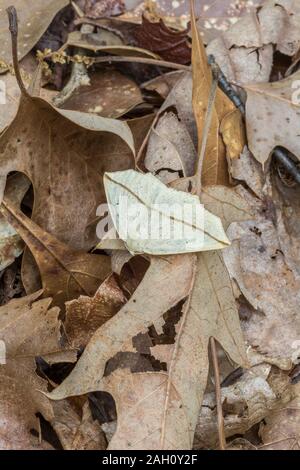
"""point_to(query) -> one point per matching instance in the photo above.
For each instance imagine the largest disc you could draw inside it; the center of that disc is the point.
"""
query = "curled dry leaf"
(34, 145)
(214, 169)
(86, 314)
(77, 433)
(109, 94)
(247, 169)
(155, 212)
(163, 84)
(245, 403)
(65, 169)
(245, 51)
(273, 117)
(65, 273)
(28, 329)
(34, 19)
(169, 44)
(170, 150)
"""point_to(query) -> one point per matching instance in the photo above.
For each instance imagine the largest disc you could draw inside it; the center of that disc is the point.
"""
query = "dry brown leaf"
(163, 84)
(245, 51)
(246, 168)
(28, 329)
(170, 150)
(181, 389)
(109, 94)
(257, 264)
(86, 314)
(169, 44)
(34, 19)
(281, 430)
(65, 273)
(77, 433)
(65, 169)
(214, 170)
(272, 117)
(11, 244)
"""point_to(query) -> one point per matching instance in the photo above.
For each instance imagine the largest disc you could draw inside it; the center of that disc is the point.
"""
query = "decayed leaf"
(169, 44)
(34, 19)
(65, 273)
(273, 117)
(163, 84)
(28, 329)
(256, 262)
(86, 314)
(160, 220)
(11, 245)
(286, 200)
(109, 94)
(170, 150)
(281, 430)
(214, 170)
(173, 276)
(245, 51)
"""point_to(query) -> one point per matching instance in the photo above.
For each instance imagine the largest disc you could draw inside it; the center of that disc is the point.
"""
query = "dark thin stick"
(13, 28)
(221, 430)
(226, 86)
(142, 60)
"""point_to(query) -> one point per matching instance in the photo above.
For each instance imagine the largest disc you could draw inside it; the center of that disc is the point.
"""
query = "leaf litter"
(195, 341)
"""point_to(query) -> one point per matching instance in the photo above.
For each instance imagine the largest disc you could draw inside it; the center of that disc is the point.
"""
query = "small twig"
(142, 60)
(13, 28)
(221, 428)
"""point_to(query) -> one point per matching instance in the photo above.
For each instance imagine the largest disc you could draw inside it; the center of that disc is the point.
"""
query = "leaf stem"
(142, 60)
(13, 28)
(221, 430)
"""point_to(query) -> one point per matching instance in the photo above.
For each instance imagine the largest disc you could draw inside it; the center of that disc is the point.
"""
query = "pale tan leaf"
(272, 117)
(152, 208)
